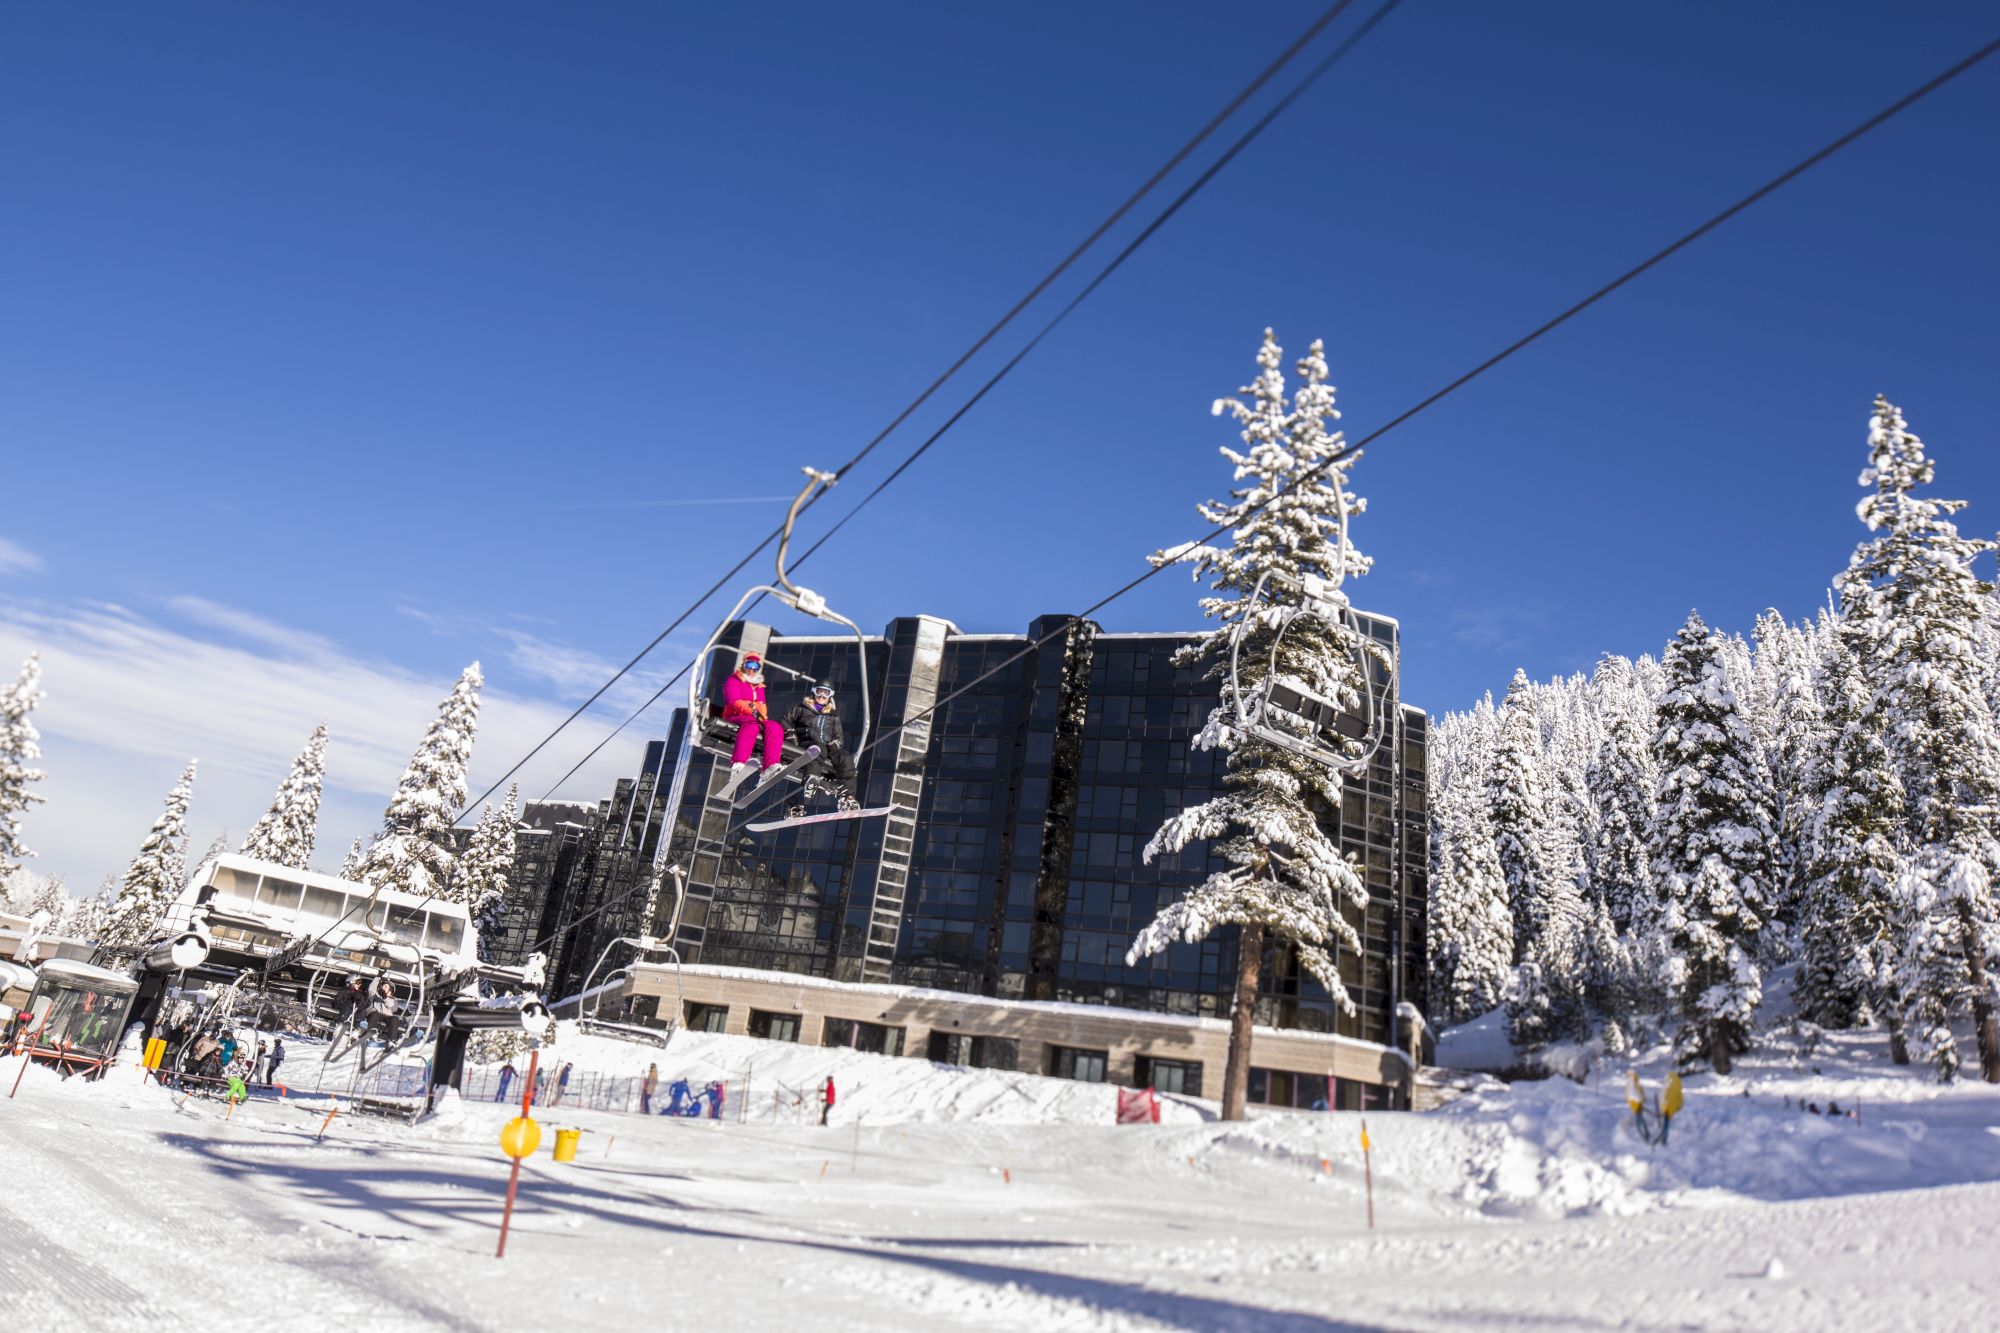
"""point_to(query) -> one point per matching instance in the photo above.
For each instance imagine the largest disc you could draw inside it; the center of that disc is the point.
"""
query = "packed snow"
(948, 1198)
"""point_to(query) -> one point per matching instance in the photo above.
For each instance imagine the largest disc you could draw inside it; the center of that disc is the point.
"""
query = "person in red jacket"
(743, 703)
(826, 1103)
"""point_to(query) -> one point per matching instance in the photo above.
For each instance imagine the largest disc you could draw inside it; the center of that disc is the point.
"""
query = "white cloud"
(130, 700)
(18, 559)
(572, 672)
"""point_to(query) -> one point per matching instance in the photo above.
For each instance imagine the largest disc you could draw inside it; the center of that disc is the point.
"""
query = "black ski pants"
(835, 769)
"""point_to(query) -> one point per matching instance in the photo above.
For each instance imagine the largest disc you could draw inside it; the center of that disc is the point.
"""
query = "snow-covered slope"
(1531, 1207)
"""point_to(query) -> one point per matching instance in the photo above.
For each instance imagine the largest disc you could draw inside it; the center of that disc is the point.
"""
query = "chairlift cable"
(1243, 141)
(1875, 121)
(1348, 451)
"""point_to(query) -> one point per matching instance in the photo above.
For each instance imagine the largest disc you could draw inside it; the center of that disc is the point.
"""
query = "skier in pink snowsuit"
(743, 703)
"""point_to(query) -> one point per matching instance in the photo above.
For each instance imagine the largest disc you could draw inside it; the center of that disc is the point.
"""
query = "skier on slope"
(743, 703)
(815, 720)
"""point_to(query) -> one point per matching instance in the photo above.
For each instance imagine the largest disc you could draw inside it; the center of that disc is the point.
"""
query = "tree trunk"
(1899, 1045)
(1718, 1048)
(1984, 1026)
(1236, 1075)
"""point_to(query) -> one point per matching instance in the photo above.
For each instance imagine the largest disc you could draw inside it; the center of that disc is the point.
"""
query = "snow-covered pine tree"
(1621, 781)
(1709, 848)
(487, 868)
(86, 918)
(413, 854)
(50, 895)
(1798, 745)
(157, 873)
(1544, 999)
(1846, 955)
(1286, 877)
(352, 862)
(219, 847)
(1471, 930)
(285, 834)
(1517, 803)
(1911, 594)
(20, 747)
(1572, 735)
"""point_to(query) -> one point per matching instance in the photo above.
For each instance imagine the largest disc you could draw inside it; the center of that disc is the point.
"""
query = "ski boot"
(847, 802)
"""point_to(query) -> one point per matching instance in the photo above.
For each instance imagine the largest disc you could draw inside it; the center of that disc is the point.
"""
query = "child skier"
(815, 720)
(743, 703)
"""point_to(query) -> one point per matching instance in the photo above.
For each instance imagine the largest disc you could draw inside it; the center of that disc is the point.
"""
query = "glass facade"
(1022, 874)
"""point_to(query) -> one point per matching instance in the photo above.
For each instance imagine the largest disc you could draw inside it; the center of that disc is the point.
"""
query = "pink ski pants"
(746, 741)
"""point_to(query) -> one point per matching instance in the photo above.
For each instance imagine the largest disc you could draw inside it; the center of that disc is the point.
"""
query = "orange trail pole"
(324, 1123)
(514, 1176)
(1368, 1168)
(21, 1049)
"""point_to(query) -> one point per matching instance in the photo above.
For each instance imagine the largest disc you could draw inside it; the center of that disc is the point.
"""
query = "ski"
(767, 825)
(744, 797)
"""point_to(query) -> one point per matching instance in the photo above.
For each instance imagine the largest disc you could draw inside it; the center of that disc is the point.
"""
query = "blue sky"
(342, 345)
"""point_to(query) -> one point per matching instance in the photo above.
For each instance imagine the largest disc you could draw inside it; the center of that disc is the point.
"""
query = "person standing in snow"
(815, 720)
(826, 1102)
(506, 1080)
(562, 1085)
(646, 1088)
(743, 702)
(277, 1058)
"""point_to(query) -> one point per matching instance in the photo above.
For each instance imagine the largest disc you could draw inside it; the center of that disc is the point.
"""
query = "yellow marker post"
(1368, 1169)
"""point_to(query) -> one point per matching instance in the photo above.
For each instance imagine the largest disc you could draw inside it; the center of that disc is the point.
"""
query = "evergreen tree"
(1621, 783)
(1286, 876)
(1471, 931)
(1920, 613)
(351, 865)
(1517, 802)
(51, 896)
(1846, 929)
(486, 869)
(1798, 781)
(285, 834)
(413, 854)
(1710, 848)
(157, 874)
(20, 747)
(1609, 986)
(87, 918)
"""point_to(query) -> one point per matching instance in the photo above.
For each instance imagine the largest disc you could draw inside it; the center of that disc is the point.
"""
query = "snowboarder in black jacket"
(815, 720)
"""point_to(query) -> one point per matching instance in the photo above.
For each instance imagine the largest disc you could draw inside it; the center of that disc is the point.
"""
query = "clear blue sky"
(381, 325)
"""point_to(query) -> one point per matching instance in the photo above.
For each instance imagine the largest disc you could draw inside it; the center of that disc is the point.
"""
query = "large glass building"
(1019, 871)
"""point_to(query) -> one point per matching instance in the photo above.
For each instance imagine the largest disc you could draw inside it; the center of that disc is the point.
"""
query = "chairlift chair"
(705, 725)
(588, 1006)
(1280, 709)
